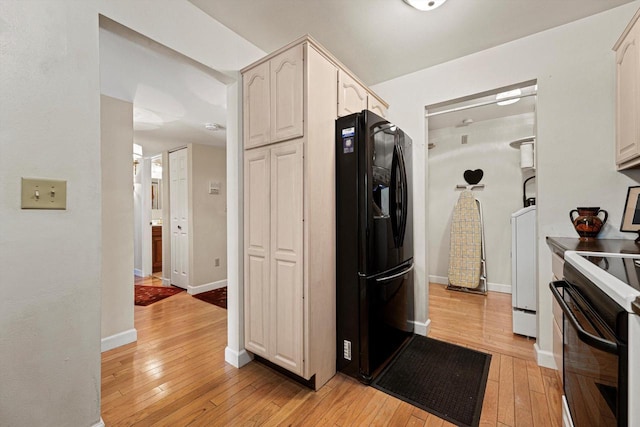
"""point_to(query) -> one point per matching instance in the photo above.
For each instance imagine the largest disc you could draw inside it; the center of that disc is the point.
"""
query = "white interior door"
(179, 208)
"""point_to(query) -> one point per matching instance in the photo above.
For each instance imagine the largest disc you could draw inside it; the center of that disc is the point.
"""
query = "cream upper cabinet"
(273, 99)
(628, 96)
(374, 105)
(256, 106)
(286, 95)
(352, 97)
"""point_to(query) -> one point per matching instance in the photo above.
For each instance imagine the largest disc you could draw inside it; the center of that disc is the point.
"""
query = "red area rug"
(216, 297)
(145, 295)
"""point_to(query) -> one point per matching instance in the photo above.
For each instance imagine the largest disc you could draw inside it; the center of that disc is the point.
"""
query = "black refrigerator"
(374, 243)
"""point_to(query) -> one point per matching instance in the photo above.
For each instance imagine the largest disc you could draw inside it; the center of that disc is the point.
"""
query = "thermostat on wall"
(214, 187)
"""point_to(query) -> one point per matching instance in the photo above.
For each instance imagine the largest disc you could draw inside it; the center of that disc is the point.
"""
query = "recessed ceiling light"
(424, 4)
(508, 94)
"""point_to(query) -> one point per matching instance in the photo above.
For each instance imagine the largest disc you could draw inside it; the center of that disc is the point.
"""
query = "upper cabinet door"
(376, 106)
(352, 97)
(256, 111)
(287, 94)
(628, 97)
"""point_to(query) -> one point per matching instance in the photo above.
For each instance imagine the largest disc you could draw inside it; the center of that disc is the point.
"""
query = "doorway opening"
(483, 144)
(173, 102)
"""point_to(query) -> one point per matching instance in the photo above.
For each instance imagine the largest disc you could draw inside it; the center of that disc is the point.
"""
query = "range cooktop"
(618, 275)
(627, 270)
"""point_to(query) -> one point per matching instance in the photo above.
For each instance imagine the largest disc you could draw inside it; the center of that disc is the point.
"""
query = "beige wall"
(51, 260)
(209, 217)
(116, 145)
(575, 69)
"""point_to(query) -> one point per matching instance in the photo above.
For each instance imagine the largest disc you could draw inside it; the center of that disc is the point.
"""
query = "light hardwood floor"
(175, 375)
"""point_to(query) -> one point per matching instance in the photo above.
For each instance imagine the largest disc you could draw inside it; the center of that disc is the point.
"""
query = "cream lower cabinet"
(628, 96)
(274, 264)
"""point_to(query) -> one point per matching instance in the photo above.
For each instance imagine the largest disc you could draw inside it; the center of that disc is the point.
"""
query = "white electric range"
(601, 335)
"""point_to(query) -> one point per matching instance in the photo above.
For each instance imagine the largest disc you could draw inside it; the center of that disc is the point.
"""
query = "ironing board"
(466, 254)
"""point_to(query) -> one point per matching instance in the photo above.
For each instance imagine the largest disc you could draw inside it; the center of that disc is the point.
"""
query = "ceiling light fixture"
(213, 126)
(424, 5)
(510, 94)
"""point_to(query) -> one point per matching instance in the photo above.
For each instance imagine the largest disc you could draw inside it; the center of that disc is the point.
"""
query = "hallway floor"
(175, 375)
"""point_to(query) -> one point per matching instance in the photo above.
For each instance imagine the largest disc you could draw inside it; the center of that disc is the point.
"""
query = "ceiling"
(173, 97)
(378, 40)
(382, 39)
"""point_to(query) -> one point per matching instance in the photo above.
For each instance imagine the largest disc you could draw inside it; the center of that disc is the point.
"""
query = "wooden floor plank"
(175, 375)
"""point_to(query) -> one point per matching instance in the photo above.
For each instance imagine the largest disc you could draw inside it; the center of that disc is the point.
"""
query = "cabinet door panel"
(628, 97)
(376, 106)
(352, 97)
(256, 104)
(257, 235)
(286, 256)
(287, 94)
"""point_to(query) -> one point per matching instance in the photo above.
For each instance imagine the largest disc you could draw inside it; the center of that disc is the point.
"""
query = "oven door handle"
(586, 337)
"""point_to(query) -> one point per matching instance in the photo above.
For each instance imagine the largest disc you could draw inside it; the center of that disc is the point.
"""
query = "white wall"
(209, 224)
(51, 260)
(487, 148)
(116, 142)
(574, 65)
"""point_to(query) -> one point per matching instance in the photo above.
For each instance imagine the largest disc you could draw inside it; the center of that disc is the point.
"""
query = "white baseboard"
(99, 423)
(421, 328)
(166, 281)
(237, 358)
(137, 272)
(194, 290)
(498, 287)
(118, 339)
(544, 358)
(493, 287)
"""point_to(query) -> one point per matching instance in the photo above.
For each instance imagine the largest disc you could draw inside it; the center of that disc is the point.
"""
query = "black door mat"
(444, 379)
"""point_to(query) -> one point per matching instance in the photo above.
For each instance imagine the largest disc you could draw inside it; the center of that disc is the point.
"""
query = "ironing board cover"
(465, 254)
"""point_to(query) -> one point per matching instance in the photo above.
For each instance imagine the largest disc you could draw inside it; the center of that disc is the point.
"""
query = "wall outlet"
(346, 349)
(217, 262)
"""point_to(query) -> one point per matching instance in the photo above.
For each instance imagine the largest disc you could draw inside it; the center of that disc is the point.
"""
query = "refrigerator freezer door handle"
(394, 276)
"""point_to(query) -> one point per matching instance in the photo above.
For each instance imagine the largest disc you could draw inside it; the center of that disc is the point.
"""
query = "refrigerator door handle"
(394, 276)
(405, 197)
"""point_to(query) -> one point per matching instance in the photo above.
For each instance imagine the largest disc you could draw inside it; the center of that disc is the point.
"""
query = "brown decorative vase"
(587, 222)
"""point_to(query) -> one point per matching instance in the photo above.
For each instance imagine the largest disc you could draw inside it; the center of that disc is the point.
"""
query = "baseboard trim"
(498, 287)
(99, 423)
(237, 358)
(544, 358)
(137, 272)
(166, 281)
(194, 290)
(421, 328)
(118, 339)
(493, 287)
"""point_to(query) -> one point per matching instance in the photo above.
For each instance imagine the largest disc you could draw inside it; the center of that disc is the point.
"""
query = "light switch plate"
(44, 194)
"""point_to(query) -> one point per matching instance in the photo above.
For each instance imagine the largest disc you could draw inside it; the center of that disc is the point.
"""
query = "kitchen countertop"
(561, 244)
